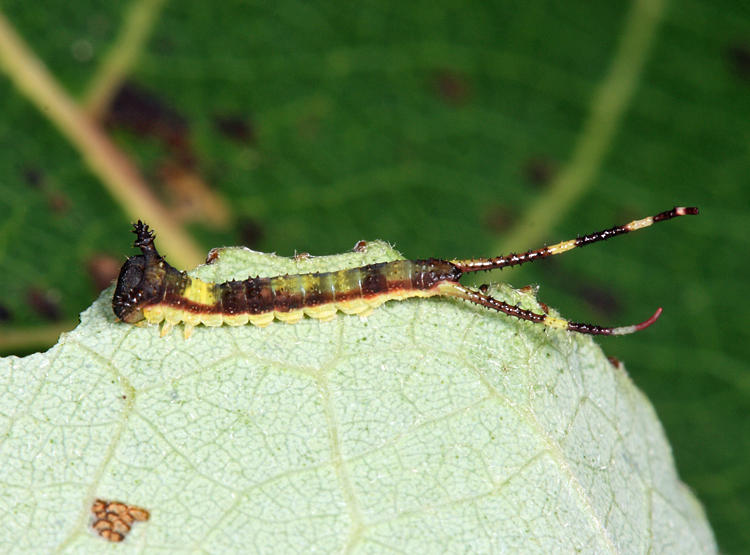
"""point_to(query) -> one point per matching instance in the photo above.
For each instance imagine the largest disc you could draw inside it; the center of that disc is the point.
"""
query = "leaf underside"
(431, 425)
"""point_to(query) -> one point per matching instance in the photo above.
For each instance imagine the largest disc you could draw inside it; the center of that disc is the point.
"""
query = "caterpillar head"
(141, 279)
(126, 302)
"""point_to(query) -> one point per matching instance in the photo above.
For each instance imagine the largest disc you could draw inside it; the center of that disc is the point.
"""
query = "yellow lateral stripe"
(552, 322)
(562, 247)
(640, 224)
(171, 315)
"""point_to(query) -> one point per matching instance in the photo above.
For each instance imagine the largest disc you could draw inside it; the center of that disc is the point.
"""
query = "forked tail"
(480, 264)
(455, 289)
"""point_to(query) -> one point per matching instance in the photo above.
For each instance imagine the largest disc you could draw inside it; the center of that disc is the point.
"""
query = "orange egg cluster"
(113, 519)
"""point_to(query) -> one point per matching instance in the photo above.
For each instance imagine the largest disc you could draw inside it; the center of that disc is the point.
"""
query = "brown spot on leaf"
(192, 198)
(112, 520)
(614, 361)
(45, 303)
(452, 87)
(236, 129)
(58, 201)
(360, 246)
(302, 256)
(251, 232)
(499, 218)
(598, 298)
(33, 176)
(103, 269)
(142, 112)
(539, 170)
(738, 55)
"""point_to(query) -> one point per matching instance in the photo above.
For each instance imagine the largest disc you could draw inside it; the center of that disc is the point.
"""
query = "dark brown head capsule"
(141, 280)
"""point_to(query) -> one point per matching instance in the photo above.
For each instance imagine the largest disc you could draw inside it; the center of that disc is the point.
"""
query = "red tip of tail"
(654, 317)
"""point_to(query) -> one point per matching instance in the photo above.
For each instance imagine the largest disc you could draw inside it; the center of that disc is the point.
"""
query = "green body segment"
(179, 298)
(351, 286)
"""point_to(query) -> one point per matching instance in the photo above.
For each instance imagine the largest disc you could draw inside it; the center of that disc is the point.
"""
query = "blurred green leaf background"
(448, 130)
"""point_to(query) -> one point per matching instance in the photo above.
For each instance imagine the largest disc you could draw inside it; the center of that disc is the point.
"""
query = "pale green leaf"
(431, 425)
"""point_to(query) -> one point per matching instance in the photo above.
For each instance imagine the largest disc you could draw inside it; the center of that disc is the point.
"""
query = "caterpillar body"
(149, 289)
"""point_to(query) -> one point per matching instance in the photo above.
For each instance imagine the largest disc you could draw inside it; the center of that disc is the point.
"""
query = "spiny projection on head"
(149, 289)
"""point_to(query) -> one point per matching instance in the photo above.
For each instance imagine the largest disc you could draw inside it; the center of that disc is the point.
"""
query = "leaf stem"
(116, 171)
(139, 21)
(608, 105)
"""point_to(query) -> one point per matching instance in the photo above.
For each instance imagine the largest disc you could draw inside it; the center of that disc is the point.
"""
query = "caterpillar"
(149, 289)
